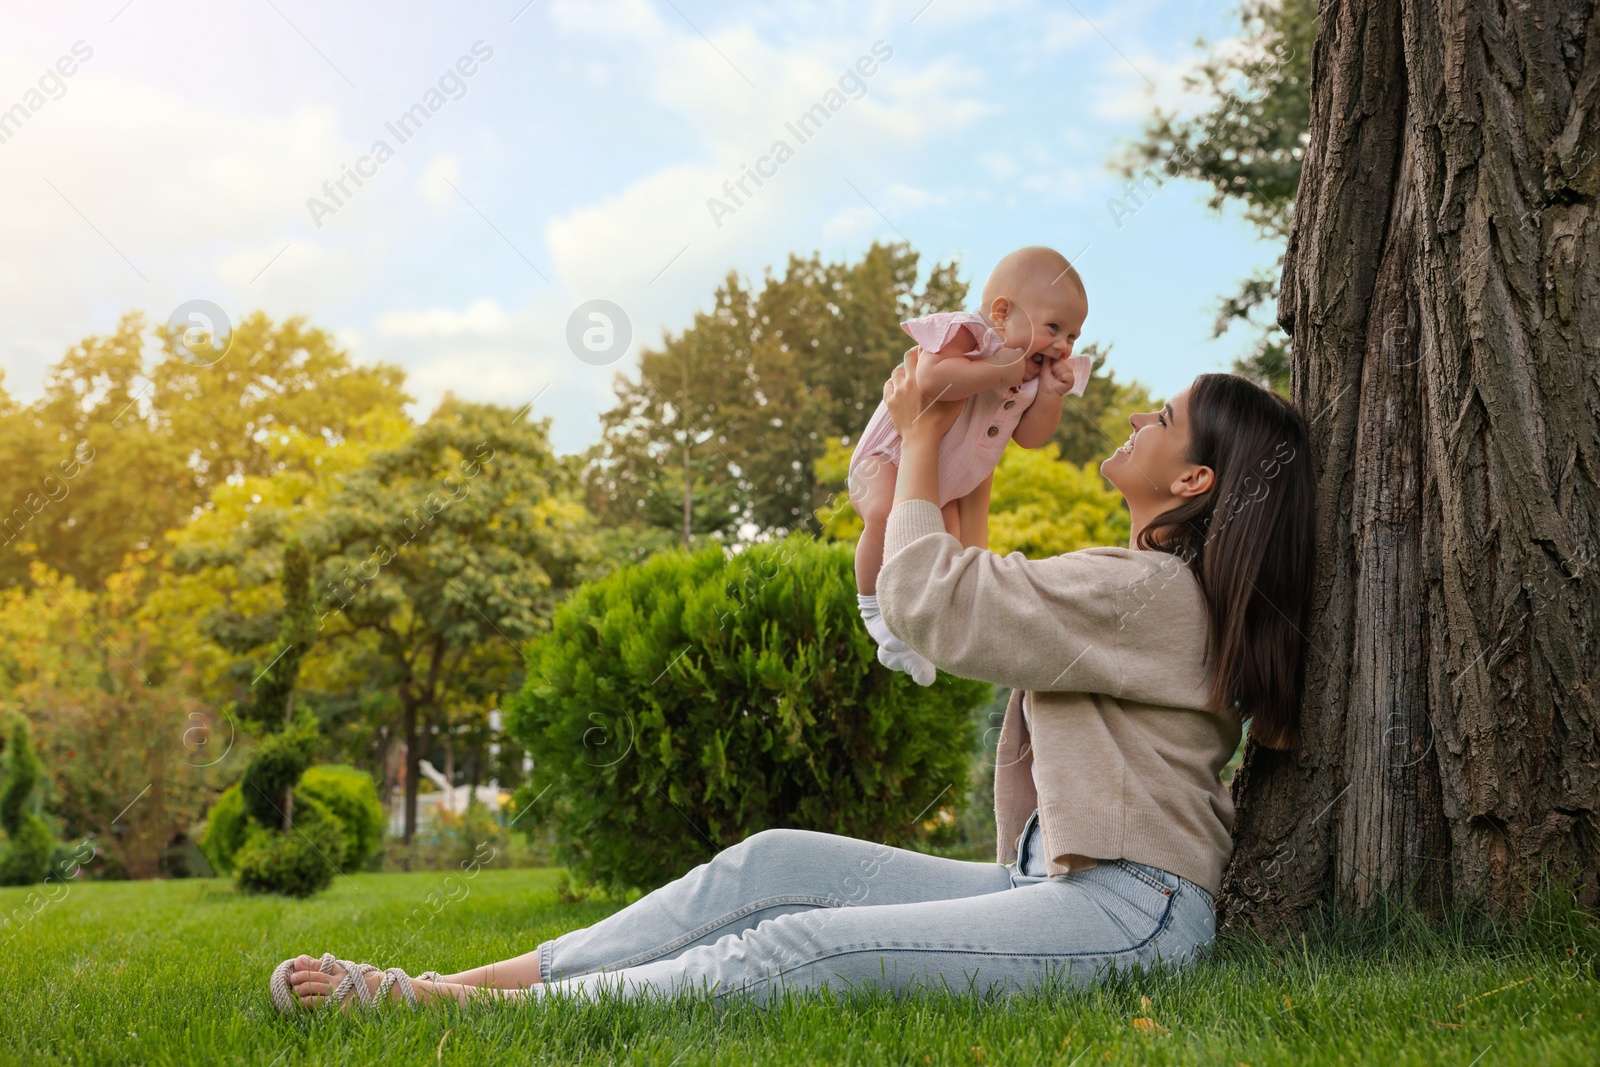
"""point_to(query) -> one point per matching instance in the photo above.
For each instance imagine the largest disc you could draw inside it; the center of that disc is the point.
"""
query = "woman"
(1131, 672)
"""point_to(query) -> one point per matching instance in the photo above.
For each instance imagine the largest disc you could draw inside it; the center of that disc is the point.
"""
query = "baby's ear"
(999, 309)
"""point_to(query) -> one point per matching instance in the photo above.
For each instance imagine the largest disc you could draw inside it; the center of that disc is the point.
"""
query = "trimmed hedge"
(300, 862)
(26, 849)
(682, 704)
(345, 794)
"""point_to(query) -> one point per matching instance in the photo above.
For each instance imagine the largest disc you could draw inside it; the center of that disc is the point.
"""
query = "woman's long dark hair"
(1251, 542)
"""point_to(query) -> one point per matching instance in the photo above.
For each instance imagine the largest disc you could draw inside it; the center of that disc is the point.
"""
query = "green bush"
(25, 853)
(682, 704)
(347, 794)
(277, 764)
(298, 863)
(352, 799)
(227, 826)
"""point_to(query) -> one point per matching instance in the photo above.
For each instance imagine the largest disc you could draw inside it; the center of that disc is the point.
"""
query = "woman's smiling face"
(1152, 470)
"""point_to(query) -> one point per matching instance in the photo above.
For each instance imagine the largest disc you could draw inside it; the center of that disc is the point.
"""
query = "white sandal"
(355, 977)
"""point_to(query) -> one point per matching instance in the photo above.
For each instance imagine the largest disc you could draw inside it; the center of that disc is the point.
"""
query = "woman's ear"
(1194, 481)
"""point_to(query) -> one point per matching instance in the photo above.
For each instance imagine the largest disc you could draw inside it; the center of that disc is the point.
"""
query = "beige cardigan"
(1108, 731)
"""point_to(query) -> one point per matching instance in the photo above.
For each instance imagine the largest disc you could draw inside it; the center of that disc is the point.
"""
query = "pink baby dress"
(971, 448)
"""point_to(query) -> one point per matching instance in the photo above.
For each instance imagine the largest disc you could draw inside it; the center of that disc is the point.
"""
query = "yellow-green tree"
(437, 556)
(129, 440)
(132, 752)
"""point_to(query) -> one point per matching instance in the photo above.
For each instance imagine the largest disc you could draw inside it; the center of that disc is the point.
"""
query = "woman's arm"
(1060, 623)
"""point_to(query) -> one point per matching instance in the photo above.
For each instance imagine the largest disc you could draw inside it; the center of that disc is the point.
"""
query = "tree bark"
(1442, 287)
(409, 726)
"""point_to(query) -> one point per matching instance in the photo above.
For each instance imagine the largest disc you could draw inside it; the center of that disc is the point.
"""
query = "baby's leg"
(952, 518)
(872, 495)
(974, 512)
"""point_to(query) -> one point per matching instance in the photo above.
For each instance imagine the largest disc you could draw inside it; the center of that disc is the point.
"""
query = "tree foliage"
(752, 391)
(124, 446)
(133, 753)
(437, 556)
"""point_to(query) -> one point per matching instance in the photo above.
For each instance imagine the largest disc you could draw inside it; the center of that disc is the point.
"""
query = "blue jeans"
(793, 909)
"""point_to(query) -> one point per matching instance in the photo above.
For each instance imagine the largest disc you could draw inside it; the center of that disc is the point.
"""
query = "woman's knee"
(765, 845)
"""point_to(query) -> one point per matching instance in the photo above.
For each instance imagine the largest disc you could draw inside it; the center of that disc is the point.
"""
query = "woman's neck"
(1137, 521)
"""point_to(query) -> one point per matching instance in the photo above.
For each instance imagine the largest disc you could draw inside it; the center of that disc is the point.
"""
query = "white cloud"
(1131, 88)
(437, 177)
(851, 224)
(633, 18)
(485, 352)
(483, 318)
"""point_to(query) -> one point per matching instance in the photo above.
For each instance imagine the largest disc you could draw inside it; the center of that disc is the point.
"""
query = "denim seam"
(1153, 883)
(724, 920)
(544, 960)
(1162, 926)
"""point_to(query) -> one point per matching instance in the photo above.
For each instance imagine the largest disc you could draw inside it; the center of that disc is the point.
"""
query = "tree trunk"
(1442, 288)
(409, 718)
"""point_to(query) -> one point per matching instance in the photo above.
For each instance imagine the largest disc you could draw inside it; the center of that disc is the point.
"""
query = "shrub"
(694, 699)
(347, 794)
(226, 828)
(298, 863)
(25, 853)
(277, 765)
(352, 799)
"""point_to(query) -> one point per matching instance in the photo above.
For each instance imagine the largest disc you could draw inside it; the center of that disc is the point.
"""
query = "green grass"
(176, 973)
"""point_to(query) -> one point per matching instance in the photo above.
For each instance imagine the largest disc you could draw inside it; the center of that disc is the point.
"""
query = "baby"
(1013, 365)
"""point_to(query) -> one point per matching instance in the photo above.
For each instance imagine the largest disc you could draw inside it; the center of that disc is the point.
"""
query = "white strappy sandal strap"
(355, 979)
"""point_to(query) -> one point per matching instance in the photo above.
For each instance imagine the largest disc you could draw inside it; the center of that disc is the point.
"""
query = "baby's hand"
(1056, 377)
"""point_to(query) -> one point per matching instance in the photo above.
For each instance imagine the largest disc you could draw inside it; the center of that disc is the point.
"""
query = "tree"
(1440, 292)
(132, 756)
(437, 556)
(1249, 147)
(450, 552)
(282, 757)
(1041, 507)
(124, 448)
(731, 414)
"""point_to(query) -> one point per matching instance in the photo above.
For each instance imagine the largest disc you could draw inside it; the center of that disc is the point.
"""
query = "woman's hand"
(914, 413)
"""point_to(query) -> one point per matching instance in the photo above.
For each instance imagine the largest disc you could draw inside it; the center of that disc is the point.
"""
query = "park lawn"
(176, 973)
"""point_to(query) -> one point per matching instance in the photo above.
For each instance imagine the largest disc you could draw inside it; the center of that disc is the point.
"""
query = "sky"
(514, 161)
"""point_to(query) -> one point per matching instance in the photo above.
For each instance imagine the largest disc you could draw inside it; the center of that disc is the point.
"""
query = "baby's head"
(1037, 302)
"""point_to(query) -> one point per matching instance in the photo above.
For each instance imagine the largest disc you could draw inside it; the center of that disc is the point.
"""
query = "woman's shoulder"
(1129, 576)
(1119, 558)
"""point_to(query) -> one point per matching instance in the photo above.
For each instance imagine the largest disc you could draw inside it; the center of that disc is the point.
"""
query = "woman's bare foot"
(312, 986)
